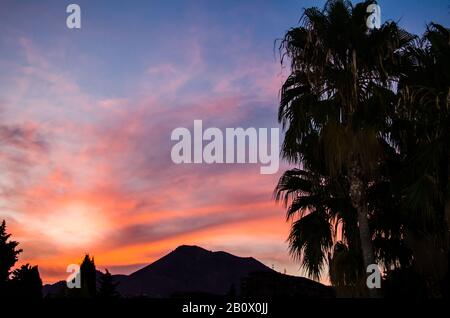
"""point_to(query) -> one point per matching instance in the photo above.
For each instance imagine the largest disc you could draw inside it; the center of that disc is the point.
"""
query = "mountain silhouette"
(192, 270)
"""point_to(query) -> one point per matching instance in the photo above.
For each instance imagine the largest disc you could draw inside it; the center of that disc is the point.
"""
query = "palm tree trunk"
(358, 202)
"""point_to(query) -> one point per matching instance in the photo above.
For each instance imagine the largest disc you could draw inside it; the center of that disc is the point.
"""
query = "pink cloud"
(109, 158)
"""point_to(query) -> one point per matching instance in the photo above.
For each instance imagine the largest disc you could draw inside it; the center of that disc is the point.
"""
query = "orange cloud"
(99, 178)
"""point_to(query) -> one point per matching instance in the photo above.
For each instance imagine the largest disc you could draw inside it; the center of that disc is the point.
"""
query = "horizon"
(168, 253)
(86, 117)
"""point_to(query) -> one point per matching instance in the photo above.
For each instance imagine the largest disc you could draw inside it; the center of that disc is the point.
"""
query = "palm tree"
(335, 108)
(324, 225)
(421, 131)
(312, 233)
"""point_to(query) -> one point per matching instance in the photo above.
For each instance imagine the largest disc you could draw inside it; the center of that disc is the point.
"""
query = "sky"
(86, 117)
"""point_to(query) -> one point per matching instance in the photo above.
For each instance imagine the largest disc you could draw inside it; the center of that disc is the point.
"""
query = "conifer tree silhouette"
(88, 277)
(8, 258)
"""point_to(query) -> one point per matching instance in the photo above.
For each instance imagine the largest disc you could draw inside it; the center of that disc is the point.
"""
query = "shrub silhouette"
(26, 282)
(107, 287)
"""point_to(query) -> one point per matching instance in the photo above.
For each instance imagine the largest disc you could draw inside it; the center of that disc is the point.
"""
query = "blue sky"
(141, 32)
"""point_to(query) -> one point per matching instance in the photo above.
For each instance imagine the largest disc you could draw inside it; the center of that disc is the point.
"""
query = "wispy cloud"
(105, 183)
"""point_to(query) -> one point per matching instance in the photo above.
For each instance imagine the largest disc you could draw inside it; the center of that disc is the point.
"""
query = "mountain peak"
(190, 248)
(193, 269)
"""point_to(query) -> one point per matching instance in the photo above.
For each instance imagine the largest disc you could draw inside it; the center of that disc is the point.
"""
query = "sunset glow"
(86, 118)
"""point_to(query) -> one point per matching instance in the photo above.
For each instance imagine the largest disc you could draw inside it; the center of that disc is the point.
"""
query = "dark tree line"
(94, 284)
(25, 282)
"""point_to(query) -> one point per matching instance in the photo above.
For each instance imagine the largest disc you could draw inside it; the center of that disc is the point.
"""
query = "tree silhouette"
(335, 107)
(26, 282)
(367, 121)
(107, 287)
(8, 257)
(88, 278)
(422, 137)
